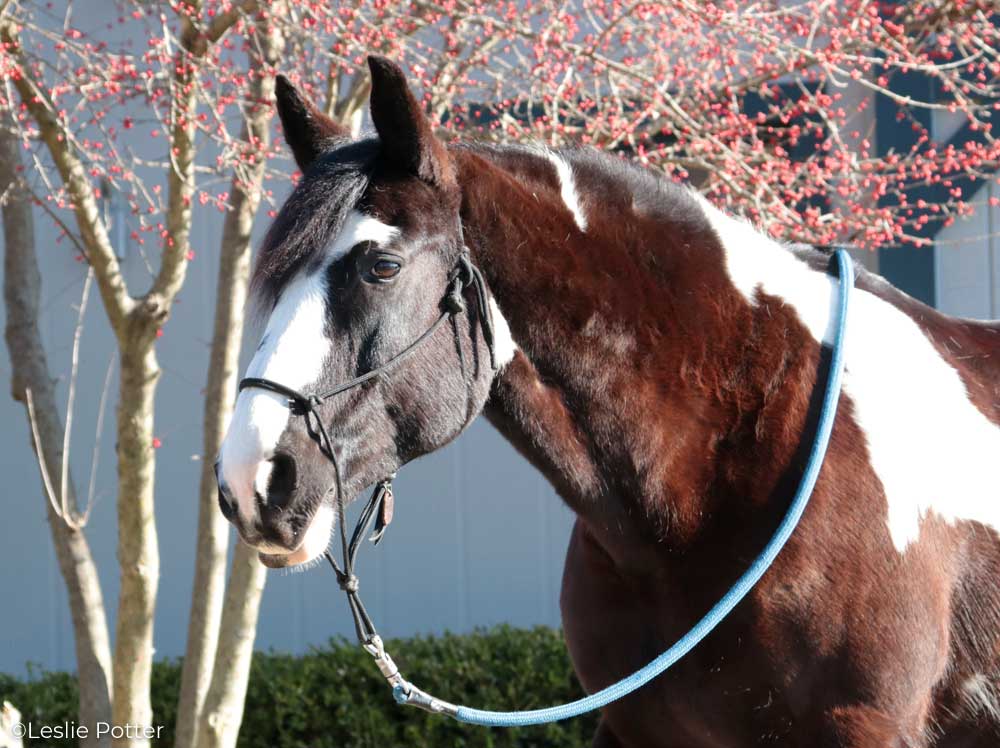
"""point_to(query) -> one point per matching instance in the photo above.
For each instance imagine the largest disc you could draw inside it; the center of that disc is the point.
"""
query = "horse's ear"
(307, 130)
(406, 134)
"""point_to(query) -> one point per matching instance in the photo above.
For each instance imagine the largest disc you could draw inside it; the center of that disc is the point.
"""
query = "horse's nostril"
(281, 484)
(226, 505)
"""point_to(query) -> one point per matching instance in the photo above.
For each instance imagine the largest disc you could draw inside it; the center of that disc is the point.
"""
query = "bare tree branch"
(224, 21)
(100, 253)
(22, 283)
(69, 511)
(194, 45)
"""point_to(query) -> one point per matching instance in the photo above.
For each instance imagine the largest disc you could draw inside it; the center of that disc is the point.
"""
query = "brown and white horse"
(659, 362)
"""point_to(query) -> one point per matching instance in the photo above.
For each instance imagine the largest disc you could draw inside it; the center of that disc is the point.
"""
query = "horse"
(658, 360)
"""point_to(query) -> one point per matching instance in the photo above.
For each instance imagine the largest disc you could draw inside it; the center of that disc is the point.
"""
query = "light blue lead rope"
(407, 693)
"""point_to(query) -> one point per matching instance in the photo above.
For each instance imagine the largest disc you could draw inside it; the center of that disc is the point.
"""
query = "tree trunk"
(220, 391)
(213, 530)
(223, 709)
(30, 370)
(138, 553)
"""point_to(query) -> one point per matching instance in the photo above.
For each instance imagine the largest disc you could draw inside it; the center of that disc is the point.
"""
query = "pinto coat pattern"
(661, 362)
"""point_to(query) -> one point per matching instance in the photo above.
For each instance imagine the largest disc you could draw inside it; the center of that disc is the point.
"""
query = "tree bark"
(138, 551)
(223, 709)
(220, 391)
(22, 291)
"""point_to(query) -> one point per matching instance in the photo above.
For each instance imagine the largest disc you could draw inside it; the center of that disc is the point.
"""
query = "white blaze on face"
(292, 352)
(930, 447)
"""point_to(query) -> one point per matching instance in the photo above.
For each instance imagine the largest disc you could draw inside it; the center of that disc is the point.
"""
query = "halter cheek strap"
(379, 506)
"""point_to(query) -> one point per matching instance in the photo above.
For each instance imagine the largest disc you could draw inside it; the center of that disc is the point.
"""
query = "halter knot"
(303, 405)
(454, 302)
(348, 583)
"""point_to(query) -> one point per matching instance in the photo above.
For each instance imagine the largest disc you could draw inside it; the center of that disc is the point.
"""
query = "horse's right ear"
(308, 131)
(406, 135)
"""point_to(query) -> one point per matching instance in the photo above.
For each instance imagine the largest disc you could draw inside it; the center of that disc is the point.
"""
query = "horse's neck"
(641, 372)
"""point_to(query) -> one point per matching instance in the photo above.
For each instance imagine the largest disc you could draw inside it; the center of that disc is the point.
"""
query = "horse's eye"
(385, 269)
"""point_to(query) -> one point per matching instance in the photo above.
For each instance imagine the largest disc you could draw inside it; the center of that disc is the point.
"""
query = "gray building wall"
(967, 261)
(967, 253)
(479, 536)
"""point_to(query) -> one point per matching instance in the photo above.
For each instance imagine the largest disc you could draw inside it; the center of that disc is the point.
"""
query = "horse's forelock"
(313, 214)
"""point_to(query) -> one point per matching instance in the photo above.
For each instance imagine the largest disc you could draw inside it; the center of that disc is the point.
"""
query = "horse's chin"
(315, 542)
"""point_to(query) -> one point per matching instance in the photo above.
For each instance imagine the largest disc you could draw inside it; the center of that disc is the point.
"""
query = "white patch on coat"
(567, 187)
(292, 352)
(317, 537)
(930, 447)
(981, 696)
(315, 540)
(503, 342)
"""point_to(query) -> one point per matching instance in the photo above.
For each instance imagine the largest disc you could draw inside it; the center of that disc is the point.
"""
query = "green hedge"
(334, 697)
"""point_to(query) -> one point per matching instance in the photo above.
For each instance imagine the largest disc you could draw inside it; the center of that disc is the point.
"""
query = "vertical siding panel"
(379, 609)
(543, 591)
(52, 621)
(962, 263)
(419, 550)
(993, 246)
(501, 531)
(460, 504)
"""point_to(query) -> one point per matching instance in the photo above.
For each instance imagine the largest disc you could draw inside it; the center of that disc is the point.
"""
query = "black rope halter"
(465, 275)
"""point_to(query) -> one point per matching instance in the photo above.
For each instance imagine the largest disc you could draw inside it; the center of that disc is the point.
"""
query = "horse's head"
(355, 267)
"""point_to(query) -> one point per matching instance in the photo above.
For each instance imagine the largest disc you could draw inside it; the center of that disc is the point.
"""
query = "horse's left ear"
(408, 140)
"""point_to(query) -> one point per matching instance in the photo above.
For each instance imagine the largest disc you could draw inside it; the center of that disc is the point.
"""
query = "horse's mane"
(316, 209)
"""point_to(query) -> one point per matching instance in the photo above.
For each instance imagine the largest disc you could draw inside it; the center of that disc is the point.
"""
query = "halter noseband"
(464, 275)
